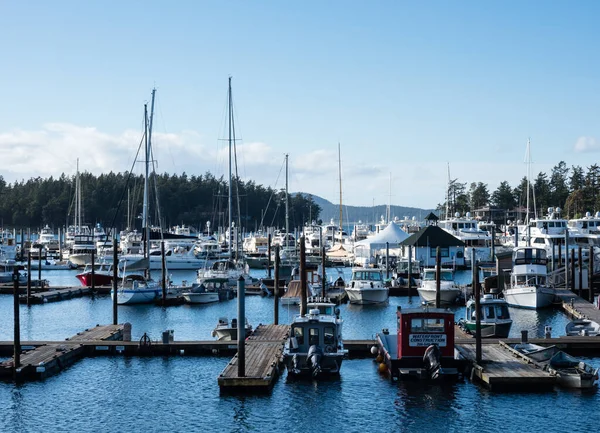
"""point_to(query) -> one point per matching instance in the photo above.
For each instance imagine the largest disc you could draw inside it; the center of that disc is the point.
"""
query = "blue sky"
(406, 88)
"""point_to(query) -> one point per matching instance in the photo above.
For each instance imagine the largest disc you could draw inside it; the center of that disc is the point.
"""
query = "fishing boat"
(583, 327)
(494, 317)
(529, 286)
(225, 331)
(208, 290)
(423, 347)
(315, 347)
(449, 290)
(367, 287)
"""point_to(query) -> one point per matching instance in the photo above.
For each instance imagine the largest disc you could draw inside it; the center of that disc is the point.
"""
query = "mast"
(340, 174)
(287, 213)
(448, 195)
(77, 201)
(145, 227)
(229, 202)
(389, 206)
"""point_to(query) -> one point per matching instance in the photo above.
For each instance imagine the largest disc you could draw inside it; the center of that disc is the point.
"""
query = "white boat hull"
(447, 295)
(173, 263)
(200, 298)
(367, 295)
(80, 259)
(529, 297)
(136, 296)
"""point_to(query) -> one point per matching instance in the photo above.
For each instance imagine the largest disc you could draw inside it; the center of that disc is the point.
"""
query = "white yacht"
(367, 287)
(585, 231)
(449, 290)
(467, 230)
(529, 279)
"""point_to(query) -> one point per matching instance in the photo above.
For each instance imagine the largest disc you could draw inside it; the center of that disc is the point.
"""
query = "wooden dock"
(42, 361)
(578, 307)
(264, 352)
(501, 369)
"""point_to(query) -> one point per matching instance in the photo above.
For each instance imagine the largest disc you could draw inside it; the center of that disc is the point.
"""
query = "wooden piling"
(164, 272)
(573, 270)
(241, 289)
(269, 256)
(580, 264)
(115, 281)
(477, 294)
(591, 275)
(28, 277)
(303, 282)
(93, 270)
(567, 260)
(40, 265)
(387, 260)
(17, 325)
(323, 273)
(409, 269)
(438, 276)
(276, 288)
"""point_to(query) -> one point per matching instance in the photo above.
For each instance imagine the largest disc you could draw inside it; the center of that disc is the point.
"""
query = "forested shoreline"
(115, 200)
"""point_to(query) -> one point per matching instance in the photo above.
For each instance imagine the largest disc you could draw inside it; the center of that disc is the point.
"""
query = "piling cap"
(241, 278)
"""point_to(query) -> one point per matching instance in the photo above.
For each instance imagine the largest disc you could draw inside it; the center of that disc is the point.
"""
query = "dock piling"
(93, 270)
(438, 275)
(241, 289)
(591, 275)
(164, 273)
(303, 282)
(17, 325)
(115, 281)
(276, 288)
(580, 264)
(28, 278)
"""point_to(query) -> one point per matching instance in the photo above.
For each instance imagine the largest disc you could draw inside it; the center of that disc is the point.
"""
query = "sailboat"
(339, 254)
(231, 268)
(80, 239)
(137, 289)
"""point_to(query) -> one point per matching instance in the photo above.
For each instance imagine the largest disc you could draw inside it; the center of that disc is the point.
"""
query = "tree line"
(116, 200)
(574, 189)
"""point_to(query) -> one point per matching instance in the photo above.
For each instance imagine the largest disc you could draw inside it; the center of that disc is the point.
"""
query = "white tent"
(392, 234)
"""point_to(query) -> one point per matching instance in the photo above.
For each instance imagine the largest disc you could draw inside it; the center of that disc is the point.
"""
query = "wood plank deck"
(577, 306)
(501, 369)
(43, 361)
(264, 351)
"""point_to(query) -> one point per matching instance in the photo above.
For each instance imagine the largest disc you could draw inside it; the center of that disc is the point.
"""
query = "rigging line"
(112, 225)
(237, 176)
(156, 194)
(162, 118)
(271, 196)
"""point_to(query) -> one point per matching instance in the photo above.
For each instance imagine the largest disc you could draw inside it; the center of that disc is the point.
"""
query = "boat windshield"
(423, 324)
(446, 275)
(367, 275)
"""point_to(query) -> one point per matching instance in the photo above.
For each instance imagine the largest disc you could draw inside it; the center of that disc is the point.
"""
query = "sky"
(409, 90)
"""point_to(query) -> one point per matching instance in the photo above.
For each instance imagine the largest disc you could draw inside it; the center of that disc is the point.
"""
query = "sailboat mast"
(287, 210)
(145, 203)
(77, 201)
(389, 206)
(448, 195)
(229, 203)
(340, 175)
(528, 162)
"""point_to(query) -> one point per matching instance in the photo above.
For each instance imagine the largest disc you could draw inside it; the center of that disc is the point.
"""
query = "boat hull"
(297, 364)
(447, 296)
(200, 298)
(490, 330)
(366, 295)
(99, 279)
(136, 296)
(530, 297)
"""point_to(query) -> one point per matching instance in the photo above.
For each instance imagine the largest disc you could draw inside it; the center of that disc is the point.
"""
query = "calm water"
(181, 393)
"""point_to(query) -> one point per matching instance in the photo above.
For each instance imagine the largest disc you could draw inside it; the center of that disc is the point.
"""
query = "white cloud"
(586, 144)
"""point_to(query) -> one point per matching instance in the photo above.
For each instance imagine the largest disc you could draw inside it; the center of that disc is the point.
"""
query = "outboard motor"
(431, 359)
(315, 353)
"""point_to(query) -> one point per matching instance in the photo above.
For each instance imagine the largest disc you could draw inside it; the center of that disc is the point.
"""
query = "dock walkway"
(264, 352)
(47, 359)
(500, 369)
(577, 306)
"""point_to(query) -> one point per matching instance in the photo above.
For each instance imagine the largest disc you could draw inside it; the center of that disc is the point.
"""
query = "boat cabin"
(420, 328)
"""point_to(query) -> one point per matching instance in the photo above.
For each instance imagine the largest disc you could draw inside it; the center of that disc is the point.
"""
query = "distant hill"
(366, 214)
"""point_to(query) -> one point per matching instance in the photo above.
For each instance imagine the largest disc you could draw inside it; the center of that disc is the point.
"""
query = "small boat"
(367, 287)
(570, 372)
(136, 289)
(103, 274)
(294, 291)
(494, 317)
(449, 290)
(423, 348)
(208, 290)
(226, 332)
(583, 327)
(315, 347)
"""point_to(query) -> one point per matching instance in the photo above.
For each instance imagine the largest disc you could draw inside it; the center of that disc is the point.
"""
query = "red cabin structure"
(423, 346)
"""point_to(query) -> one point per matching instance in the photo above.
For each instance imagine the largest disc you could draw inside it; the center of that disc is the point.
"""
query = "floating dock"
(578, 307)
(47, 359)
(264, 354)
(500, 369)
